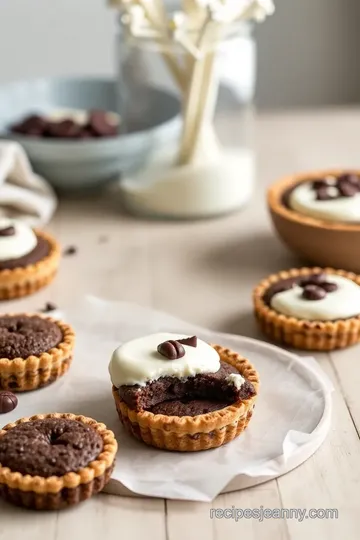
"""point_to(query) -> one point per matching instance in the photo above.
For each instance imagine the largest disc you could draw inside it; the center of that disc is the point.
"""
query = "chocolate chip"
(313, 292)
(350, 178)
(8, 402)
(171, 349)
(190, 341)
(328, 286)
(31, 125)
(70, 250)
(325, 193)
(7, 231)
(320, 183)
(66, 129)
(347, 190)
(49, 306)
(312, 279)
(99, 124)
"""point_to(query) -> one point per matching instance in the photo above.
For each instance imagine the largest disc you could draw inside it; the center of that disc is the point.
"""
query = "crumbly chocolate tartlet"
(34, 351)
(196, 398)
(49, 462)
(310, 308)
(29, 259)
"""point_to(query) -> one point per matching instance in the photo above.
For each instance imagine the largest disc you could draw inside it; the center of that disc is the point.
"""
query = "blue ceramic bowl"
(74, 164)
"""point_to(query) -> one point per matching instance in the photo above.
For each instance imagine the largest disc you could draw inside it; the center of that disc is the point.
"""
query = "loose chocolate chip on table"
(190, 341)
(71, 250)
(328, 287)
(313, 292)
(49, 306)
(7, 231)
(8, 402)
(171, 349)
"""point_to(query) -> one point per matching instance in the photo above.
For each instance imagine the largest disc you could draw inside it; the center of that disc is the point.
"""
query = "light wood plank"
(197, 521)
(330, 479)
(107, 516)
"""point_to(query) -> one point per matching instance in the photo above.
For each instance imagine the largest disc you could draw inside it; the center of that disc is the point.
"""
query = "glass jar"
(199, 160)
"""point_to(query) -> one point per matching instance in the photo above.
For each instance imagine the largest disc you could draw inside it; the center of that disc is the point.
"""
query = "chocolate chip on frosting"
(320, 183)
(171, 349)
(7, 231)
(312, 279)
(313, 292)
(345, 185)
(190, 341)
(348, 190)
(328, 287)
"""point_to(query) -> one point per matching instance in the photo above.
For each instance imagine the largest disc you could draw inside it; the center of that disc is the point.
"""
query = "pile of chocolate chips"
(316, 287)
(345, 185)
(96, 126)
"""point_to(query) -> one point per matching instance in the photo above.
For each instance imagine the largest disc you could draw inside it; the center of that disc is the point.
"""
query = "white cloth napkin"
(23, 194)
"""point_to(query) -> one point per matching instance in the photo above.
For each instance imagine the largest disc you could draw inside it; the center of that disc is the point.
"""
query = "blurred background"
(307, 53)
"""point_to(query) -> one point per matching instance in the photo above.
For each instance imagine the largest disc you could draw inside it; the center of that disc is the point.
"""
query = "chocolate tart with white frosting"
(317, 215)
(310, 308)
(178, 393)
(52, 461)
(35, 350)
(29, 259)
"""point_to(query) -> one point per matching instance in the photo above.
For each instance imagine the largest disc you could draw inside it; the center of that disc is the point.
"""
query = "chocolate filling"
(22, 336)
(49, 447)
(41, 250)
(315, 287)
(189, 396)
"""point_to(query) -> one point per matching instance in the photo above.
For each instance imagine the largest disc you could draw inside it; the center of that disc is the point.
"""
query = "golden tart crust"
(300, 333)
(33, 372)
(23, 281)
(193, 433)
(58, 492)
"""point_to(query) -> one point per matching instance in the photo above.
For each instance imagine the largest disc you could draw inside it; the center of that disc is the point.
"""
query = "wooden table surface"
(204, 272)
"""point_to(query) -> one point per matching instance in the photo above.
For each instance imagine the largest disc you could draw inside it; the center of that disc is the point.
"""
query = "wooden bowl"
(322, 243)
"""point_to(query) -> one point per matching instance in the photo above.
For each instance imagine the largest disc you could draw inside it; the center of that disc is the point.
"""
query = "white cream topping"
(346, 209)
(138, 362)
(339, 304)
(21, 243)
(236, 379)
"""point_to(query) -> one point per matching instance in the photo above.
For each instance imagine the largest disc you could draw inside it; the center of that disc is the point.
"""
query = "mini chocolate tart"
(52, 461)
(34, 351)
(310, 308)
(26, 274)
(191, 413)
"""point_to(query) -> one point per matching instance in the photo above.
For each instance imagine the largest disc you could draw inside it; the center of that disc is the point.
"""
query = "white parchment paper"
(291, 415)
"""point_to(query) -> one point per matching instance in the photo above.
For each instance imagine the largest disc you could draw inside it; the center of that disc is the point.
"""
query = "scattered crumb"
(70, 250)
(49, 306)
